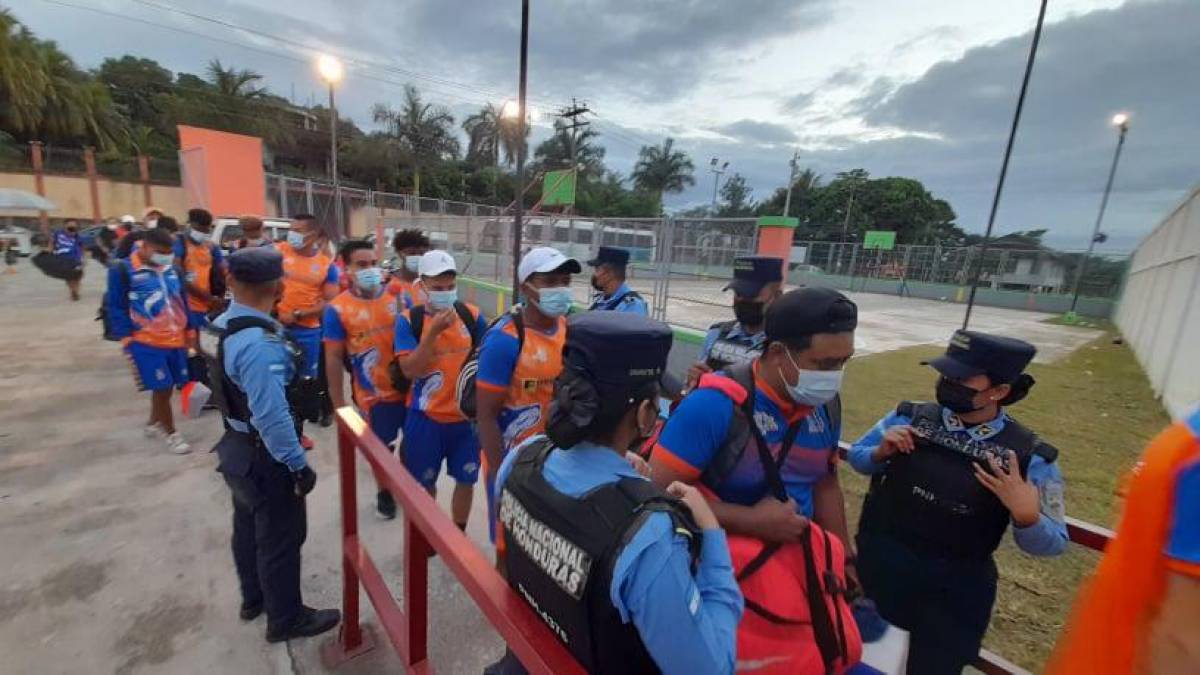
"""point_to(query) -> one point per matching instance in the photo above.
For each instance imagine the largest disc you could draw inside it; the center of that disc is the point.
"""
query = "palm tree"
(22, 81)
(483, 136)
(233, 83)
(663, 169)
(566, 142)
(423, 130)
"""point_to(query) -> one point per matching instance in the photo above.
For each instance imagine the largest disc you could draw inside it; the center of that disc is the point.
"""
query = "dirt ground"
(115, 556)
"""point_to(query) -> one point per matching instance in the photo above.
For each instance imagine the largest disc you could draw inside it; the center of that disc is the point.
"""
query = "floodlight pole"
(1112, 171)
(333, 167)
(519, 216)
(787, 201)
(1012, 136)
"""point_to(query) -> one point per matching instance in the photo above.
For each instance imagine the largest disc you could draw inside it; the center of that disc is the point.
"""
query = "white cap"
(546, 259)
(434, 263)
(128, 219)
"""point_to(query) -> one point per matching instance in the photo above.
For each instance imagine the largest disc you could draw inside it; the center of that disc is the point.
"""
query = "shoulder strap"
(723, 327)
(464, 314)
(518, 321)
(416, 319)
(241, 323)
(183, 240)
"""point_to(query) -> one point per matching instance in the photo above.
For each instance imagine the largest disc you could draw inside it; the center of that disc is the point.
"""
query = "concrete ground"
(115, 553)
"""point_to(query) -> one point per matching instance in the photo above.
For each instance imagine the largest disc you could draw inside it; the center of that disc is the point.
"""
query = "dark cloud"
(757, 132)
(798, 102)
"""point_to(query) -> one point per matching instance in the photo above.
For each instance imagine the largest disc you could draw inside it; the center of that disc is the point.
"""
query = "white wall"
(1159, 312)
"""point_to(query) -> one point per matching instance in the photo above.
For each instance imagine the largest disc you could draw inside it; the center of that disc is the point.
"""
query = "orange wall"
(117, 198)
(232, 168)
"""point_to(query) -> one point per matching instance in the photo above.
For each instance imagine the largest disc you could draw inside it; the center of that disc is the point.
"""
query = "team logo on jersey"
(539, 356)
(765, 422)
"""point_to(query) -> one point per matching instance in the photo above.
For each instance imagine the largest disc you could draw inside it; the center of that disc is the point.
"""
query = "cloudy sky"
(921, 88)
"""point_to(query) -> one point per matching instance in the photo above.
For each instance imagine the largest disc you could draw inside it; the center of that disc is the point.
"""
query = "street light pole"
(1121, 121)
(331, 71)
(787, 201)
(519, 216)
(717, 173)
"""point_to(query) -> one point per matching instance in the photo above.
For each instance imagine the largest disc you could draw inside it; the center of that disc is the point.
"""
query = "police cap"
(752, 272)
(610, 255)
(256, 265)
(617, 351)
(971, 353)
(807, 311)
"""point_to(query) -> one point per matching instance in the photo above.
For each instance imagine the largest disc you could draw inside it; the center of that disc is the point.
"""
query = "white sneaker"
(177, 445)
(154, 431)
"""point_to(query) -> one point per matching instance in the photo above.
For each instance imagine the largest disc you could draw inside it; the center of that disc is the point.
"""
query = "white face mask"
(412, 263)
(295, 239)
(151, 223)
(199, 237)
(162, 259)
(813, 387)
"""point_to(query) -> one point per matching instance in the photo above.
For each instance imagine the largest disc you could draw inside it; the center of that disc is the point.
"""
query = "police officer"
(947, 479)
(253, 377)
(757, 280)
(612, 293)
(605, 557)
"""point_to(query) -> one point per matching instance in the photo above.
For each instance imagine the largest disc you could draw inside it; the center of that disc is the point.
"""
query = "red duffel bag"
(797, 619)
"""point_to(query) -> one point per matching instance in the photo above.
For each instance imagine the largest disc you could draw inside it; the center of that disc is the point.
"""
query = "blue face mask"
(162, 259)
(199, 237)
(369, 279)
(412, 263)
(442, 300)
(554, 302)
(295, 239)
(813, 387)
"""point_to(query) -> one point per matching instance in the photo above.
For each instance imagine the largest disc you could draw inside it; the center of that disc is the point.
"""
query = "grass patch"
(1083, 322)
(1096, 406)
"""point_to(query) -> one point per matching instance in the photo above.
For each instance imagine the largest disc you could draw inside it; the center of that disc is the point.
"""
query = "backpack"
(102, 312)
(216, 280)
(465, 386)
(400, 381)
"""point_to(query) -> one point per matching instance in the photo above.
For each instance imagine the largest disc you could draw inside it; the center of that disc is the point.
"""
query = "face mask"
(199, 237)
(369, 279)
(442, 300)
(151, 223)
(162, 259)
(254, 242)
(554, 302)
(412, 263)
(813, 387)
(748, 312)
(295, 239)
(956, 397)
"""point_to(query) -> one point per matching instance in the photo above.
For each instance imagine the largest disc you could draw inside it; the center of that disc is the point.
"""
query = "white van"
(227, 232)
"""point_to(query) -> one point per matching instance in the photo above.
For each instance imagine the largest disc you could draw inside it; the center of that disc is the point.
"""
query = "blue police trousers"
(944, 604)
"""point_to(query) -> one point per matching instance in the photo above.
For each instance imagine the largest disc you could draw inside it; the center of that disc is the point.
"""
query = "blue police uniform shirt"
(737, 334)
(1183, 540)
(260, 365)
(622, 301)
(687, 622)
(696, 431)
(1046, 537)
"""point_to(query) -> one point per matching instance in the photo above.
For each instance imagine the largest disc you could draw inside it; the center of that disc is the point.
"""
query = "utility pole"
(787, 202)
(575, 114)
(519, 217)
(717, 173)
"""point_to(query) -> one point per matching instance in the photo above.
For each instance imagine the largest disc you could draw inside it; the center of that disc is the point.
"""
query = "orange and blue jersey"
(304, 281)
(433, 393)
(1183, 539)
(146, 303)
(198, 261)
(405, 292)
(364, 326)
(526, 378)
(696, 431)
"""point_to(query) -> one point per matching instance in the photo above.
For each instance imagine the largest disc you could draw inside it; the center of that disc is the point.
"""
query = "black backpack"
(400, 382)
(102, 312)
(465, 387)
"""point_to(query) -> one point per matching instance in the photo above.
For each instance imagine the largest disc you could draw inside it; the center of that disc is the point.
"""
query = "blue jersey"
(1046, 537)
(697, 429)
(259, 364)
(67, 244)
(688, 622)
(1183, 540)
(623, 300)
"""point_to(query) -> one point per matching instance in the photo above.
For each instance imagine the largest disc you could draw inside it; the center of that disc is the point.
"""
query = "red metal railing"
(425, 528)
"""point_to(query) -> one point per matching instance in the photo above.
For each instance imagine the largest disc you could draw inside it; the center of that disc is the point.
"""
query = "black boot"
(310, 622)
(385, 505)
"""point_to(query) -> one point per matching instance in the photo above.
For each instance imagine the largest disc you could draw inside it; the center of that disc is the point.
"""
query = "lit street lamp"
(1121, 122)
(331, 70)
(717, 173)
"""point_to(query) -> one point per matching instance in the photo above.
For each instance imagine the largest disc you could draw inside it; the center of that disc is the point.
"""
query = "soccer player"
(409, 246)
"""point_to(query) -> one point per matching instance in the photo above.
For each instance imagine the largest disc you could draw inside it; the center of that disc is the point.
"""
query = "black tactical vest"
(931, 500)
(230, 399)
(727, 351)
(560, 553)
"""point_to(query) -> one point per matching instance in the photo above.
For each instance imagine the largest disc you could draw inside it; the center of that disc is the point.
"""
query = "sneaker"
(177, 445)
(310, 622)
(154, 431)
(306, 442)
(385, 505)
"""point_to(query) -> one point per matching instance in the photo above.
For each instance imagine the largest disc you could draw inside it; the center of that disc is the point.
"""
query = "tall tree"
(425, 131)
(233, 83)
(556, 152)
(736, 195)
(661, 169)
(483, 136)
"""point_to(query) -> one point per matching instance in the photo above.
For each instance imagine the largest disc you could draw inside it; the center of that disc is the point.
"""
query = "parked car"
(805, 269)
(227, 232)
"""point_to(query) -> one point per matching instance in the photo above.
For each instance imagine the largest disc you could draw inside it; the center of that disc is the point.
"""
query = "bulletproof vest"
(931, 500)
(229, 398)
(560, 552)
(727, 351)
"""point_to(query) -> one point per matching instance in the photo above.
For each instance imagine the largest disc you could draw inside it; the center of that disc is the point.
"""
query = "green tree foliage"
(555, 152)
(661, 170)
(735, 197)
(490, 135)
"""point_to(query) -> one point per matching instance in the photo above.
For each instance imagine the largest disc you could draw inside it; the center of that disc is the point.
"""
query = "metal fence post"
(308, 196)
(284, 210)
